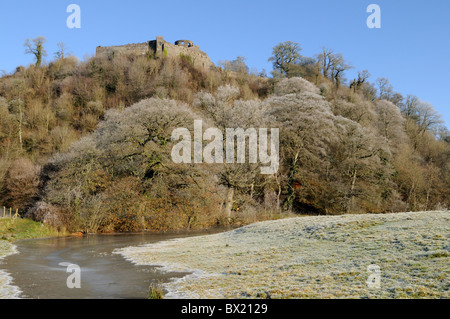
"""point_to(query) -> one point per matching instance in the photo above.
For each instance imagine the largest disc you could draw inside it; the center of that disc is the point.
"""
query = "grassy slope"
(16, 229)
(312, 257)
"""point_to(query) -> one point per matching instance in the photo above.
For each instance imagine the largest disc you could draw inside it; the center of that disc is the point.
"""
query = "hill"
(86, 146)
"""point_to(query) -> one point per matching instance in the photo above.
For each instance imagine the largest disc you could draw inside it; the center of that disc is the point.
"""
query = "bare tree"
(384, 88)
(359, 111)
(338, 69)
(22, 183)
(362, 78)
(62, 52)
(285, 56)
(36, 48)
(390, 122)
(357, 158)
(295, 85)
(307, 129)
(428, 118)
(226, 111)
(409, 108)
(238, 65)
(326, 61)
(332, 65)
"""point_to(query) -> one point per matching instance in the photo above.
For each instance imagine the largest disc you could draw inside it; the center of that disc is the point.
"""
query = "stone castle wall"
(135, 48)
(160, 47)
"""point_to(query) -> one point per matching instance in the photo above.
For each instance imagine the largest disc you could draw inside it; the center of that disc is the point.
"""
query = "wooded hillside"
(86, 145)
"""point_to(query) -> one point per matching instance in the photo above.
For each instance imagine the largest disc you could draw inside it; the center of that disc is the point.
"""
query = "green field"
(16, 229)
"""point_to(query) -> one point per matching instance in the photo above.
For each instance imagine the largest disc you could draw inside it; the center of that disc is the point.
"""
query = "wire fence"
(9, 213)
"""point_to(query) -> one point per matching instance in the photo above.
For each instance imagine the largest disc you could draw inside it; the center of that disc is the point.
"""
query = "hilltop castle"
(160, 47)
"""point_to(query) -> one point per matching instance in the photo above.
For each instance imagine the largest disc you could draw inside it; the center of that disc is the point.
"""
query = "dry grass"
(311, 257)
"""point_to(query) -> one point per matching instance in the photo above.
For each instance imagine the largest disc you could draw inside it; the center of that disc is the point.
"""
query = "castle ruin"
(159, 48)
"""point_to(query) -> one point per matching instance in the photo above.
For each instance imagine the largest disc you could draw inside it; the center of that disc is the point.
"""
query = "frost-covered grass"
(311, 257)
(7, 290)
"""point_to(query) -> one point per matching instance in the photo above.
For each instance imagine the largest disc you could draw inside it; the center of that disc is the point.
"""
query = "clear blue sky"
(411, 49)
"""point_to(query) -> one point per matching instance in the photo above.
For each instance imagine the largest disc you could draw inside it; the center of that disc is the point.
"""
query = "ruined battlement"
(160, 47)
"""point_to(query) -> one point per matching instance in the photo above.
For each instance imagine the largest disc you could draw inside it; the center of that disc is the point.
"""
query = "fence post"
(10, 212)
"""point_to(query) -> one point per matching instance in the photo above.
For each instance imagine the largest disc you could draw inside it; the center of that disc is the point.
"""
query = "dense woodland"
(85, 145)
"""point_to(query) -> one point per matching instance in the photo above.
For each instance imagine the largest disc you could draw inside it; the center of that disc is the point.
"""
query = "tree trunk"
(291, 192)
(229, 202)
(278, 198)
(20, 124)
(352, 196)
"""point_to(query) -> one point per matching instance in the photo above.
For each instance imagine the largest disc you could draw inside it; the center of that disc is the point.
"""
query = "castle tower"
(160, 45)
